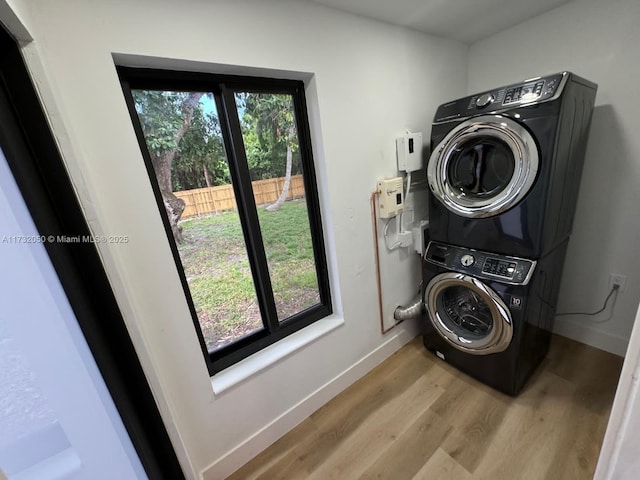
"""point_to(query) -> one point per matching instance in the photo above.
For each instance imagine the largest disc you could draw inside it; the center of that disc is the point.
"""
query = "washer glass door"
(468, 314)
(484, 166)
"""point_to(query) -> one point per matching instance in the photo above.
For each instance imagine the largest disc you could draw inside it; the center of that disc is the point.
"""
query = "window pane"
(183, 136)
(273, 154)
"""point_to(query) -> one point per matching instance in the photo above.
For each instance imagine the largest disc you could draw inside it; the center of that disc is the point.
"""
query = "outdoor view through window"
(184, 138)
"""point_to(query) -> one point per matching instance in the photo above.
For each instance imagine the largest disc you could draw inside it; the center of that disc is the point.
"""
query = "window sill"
(259, 361)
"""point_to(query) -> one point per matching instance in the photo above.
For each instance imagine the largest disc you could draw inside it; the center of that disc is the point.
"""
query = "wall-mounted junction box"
(419, 237)
(391, 198)
(409, 152)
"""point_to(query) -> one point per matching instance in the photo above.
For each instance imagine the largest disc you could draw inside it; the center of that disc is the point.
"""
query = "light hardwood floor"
(415, 417)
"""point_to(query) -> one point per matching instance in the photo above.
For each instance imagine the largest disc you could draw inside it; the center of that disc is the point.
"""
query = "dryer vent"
(412, 311)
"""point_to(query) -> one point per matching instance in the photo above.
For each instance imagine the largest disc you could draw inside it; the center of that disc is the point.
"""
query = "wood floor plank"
(416, 417)
(585, 366)
(278, 455)
(474, 428)
(475, 412)
(580, 442)
(338, 420)
(289, 467)
(406, 455)
(442, 467)
(594, 372)
(530, 433)
(383, 426)
(394, 375)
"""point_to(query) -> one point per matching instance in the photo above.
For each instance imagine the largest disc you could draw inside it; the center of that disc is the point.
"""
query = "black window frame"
(223, 87)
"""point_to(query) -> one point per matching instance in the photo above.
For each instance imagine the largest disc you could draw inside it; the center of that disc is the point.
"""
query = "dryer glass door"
(483, 167)
(468, 313)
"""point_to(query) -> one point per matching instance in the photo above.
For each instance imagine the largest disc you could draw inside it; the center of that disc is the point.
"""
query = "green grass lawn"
(215, 262)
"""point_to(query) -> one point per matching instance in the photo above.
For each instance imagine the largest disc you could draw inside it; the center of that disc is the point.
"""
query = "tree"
(165, 118)
(270, 123)
(201, 159)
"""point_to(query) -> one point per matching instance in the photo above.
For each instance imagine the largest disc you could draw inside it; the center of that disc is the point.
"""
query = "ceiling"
(463, 20)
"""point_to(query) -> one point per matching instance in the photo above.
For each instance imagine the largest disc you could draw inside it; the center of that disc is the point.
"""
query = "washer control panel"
(490, 266)
(501, 268)
(467, 260)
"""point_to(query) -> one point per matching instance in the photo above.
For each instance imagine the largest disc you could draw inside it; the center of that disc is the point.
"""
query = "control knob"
(467, 260)
(484, 100)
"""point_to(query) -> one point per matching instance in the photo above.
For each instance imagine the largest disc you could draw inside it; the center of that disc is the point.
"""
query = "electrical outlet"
(617, 279)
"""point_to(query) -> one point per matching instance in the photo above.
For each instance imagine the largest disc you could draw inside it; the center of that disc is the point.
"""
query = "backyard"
(186, 148)
(216, 265)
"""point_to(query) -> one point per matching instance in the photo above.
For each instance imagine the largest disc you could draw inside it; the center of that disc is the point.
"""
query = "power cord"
(615, 290)
(399, 221)
(386, 233)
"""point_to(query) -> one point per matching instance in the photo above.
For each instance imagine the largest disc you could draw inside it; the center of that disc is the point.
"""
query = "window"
(230, 162)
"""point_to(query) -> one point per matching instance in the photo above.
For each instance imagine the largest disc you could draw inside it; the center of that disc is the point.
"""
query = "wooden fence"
(203, 201)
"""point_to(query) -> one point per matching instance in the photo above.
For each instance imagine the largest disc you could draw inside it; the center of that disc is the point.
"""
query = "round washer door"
(483, 167)
(468, 314)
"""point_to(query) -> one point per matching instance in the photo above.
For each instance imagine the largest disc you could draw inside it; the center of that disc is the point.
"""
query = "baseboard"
(241, 454)
(586, 333)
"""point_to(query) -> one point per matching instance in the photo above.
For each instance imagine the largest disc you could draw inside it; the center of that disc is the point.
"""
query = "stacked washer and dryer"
(504, 176)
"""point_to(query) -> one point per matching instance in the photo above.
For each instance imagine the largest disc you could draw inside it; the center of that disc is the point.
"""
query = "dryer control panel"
(489, 266)
(535, 90)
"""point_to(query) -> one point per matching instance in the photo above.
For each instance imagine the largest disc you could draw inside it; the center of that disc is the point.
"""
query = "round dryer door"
(483, 167)
(468, 314)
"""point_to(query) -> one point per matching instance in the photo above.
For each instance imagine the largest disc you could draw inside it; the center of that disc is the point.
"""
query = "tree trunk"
(287, 182)
(206, 175)
(162, 167)
(174, 207)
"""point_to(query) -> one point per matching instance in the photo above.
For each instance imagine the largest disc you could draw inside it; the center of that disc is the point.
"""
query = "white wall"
(368, 83)
(599, 40)
(619, 454)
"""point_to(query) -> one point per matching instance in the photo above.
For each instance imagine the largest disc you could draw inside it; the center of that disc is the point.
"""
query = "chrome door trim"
(525, 156)
(502, 331)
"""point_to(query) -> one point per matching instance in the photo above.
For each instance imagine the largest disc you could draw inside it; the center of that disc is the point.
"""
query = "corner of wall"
(584, 332)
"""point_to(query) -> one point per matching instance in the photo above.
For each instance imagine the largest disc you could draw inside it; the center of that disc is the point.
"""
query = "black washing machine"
(505, 168)
(490, 315)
